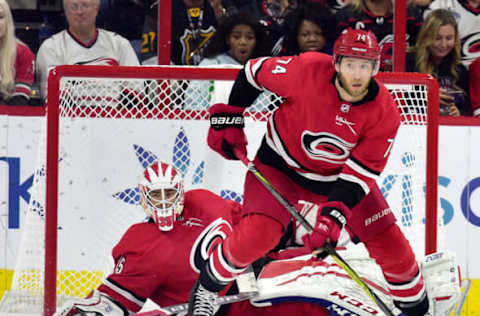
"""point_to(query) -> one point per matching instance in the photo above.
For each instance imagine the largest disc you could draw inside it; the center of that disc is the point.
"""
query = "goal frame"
(183, 72)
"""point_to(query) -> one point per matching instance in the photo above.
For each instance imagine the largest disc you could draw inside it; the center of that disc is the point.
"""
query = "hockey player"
(152, 258)
(325, 144)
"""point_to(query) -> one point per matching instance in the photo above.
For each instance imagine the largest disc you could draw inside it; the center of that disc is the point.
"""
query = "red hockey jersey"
(320, 137)
(153, 264)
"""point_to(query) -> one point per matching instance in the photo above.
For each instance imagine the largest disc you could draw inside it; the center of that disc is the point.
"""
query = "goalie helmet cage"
(95, 112)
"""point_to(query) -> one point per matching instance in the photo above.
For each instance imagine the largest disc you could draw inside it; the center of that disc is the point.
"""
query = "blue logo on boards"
(193, 171)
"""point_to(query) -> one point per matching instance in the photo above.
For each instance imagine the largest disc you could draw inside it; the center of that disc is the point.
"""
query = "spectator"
(437, 52)
(474, 76)
(237, 39)
(16, 62)
(377, 16)
(82, 43)
(193, 24)
(466, 13)
(310, 28)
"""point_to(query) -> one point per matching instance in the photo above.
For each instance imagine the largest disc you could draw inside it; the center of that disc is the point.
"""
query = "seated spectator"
(437, 52)
(466, 14)
(193, 24)
(237, 39)
(16, 62)
(377, 16)
(310, 28)
(474, 76)
(82, 43)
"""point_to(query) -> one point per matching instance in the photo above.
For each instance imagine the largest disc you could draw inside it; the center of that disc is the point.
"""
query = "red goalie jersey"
(327, 140)
(153, 264)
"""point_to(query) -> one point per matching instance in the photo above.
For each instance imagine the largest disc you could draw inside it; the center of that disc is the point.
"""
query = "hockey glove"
(95, 304)
(226, 130)
(329, 223)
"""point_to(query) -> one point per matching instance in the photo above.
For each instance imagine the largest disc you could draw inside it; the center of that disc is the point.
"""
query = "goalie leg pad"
(442, 278)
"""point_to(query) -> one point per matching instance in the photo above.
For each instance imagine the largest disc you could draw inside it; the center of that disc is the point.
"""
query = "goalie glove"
(226, 130)
(329, 223)
(96, 304)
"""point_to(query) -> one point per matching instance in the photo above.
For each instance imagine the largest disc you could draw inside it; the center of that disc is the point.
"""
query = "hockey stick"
(221, 300)
(327, 247)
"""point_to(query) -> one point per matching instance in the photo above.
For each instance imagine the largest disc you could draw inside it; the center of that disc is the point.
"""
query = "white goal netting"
(113, 122)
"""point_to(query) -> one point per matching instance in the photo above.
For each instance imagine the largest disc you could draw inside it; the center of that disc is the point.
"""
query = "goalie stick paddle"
(327, 247)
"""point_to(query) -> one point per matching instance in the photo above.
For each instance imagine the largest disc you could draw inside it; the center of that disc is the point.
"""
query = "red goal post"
(104, 123)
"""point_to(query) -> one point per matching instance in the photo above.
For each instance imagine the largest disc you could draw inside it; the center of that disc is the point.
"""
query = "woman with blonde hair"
(16, 62)
(437, 52)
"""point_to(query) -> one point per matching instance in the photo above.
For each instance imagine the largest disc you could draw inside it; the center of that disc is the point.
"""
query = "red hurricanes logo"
(471, 46)
(326, 147)
(206, 242)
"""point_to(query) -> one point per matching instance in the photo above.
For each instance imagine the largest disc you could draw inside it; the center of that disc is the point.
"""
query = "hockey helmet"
(161, 192)
(358, 44)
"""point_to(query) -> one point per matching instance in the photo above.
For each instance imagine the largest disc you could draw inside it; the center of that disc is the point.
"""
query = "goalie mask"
(161, 192)
(357, 44)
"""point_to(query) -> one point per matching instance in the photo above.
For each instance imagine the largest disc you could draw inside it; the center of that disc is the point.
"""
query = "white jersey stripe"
(251, 71)
(122, 292)
(359, 169)
(276, 144)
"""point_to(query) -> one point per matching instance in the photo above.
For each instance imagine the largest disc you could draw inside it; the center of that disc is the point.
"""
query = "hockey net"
(105, 124)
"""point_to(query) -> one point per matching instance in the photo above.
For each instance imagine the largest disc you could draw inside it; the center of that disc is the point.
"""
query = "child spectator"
(310, 28)
(16, 62)
(237, 39)
(437, 52)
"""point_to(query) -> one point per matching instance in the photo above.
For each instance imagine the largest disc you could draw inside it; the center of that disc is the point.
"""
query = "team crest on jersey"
(471, 46)
(207, 241)
(325, 146)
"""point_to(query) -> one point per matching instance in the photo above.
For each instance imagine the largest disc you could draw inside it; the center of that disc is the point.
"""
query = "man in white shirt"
(82, 43)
